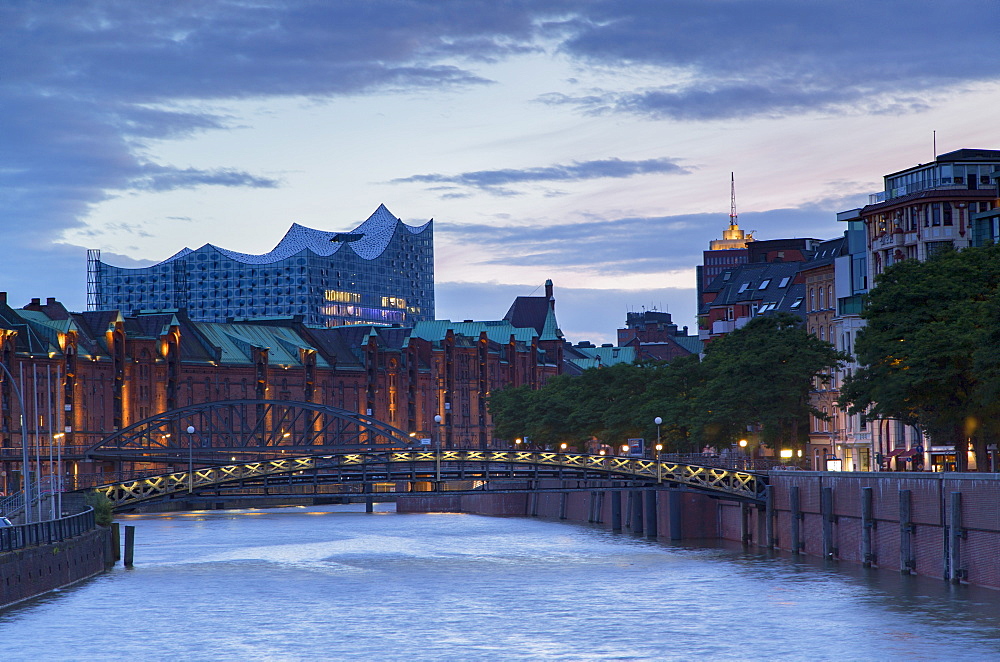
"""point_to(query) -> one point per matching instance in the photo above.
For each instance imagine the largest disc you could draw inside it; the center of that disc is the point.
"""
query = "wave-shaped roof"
(374, 235)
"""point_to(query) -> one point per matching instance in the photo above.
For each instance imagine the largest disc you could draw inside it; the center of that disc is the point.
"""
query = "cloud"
(497, 181)
(635, 245)
(781, 57)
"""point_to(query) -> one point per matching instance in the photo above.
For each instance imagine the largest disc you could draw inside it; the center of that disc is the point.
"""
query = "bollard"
(129, 544)
(116, 542)
(369, 505)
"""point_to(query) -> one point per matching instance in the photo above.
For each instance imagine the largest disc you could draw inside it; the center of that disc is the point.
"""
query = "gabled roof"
(535, 313)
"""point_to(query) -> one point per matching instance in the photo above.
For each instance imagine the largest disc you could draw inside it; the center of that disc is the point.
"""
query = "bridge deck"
(437, 468)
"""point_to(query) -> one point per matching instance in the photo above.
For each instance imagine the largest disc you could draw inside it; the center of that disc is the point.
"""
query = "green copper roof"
(497, 331)
(238, 340)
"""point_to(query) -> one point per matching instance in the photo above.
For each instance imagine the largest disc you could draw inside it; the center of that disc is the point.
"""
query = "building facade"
(84, 376)
(382, 272)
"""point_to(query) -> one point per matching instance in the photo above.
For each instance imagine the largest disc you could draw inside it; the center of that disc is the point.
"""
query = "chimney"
(50, 301)
(3, 298)
(36, 301)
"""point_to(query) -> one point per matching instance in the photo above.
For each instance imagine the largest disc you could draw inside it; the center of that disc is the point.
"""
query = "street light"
(437, 453)
(625, 449)
(190, 431)
(25, 458)
(743, 451)
(657, 421)
(659, 465)
(57, 503)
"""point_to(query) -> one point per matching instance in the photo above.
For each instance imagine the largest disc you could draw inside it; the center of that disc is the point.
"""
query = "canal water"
(335, 583)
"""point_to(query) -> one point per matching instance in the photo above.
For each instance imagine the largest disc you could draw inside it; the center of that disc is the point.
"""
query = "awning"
(893, 453)
(907, 454)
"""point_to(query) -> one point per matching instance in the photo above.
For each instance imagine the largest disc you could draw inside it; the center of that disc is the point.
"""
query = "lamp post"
(437, 453)
(57, 501)
(743, 452)
(190, 431)
(25, 457)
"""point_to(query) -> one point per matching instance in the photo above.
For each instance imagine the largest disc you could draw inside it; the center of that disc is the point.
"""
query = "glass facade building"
(382, 272)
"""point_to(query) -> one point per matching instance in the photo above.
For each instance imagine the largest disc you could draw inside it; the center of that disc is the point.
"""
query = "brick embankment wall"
(943, 525)
(30, 572)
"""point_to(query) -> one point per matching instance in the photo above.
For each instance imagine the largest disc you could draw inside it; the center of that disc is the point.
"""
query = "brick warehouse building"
(86, 375)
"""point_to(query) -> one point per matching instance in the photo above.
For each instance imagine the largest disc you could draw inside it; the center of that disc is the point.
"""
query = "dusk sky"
(588, 142)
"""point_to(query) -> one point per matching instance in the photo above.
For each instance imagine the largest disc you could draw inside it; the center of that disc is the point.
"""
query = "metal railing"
(47, 532)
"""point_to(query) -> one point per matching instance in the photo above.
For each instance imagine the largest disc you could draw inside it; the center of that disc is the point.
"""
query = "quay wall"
(944, 525)
(33, 571)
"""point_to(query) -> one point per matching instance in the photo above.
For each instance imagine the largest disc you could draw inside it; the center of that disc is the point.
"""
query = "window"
(946, 212)
(784, 281)
(797, 303)
(743, 288)
(812, 299)
(764, 284)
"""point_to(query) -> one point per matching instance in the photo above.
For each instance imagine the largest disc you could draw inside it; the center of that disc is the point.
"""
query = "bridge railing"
(439, 465)
(46, 532)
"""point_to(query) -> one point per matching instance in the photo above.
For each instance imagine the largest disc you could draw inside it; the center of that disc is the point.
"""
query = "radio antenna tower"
(732, 207)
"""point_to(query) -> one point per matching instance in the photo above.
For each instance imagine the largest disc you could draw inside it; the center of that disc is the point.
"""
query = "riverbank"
(944, 525)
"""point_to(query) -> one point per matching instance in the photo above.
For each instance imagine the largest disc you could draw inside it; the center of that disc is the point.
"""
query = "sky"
(589, 142)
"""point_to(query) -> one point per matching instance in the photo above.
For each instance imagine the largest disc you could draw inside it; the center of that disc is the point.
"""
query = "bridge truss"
(439, 470)
(241, 431)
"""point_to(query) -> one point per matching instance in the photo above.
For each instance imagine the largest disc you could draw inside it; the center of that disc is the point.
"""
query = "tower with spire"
(726, 253)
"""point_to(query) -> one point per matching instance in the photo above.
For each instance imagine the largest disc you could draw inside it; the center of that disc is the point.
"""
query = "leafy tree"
(928, 349)
(761, 376)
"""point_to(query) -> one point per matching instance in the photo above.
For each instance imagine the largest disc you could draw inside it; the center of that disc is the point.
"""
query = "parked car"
(5, 522)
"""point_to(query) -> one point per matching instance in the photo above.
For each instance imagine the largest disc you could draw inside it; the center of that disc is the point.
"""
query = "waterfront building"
(921, 210)
(928, 207)
(381, 272)
(86, 375)
(819, 280)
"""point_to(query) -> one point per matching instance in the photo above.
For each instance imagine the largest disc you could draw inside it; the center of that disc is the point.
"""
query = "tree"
(760, 376)
(928, 349)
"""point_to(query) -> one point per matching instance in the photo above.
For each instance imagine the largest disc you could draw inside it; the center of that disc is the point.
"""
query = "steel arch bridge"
(285, 447)
(230, 431)
(437, 470)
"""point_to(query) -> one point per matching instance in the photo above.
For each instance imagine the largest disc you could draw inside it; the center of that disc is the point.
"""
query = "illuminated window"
(394, 302)
(342, 297)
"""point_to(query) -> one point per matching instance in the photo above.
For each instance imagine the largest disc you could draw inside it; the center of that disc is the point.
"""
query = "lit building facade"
(382, 272)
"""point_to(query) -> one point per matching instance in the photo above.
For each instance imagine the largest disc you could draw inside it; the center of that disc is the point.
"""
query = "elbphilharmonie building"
(382, 272)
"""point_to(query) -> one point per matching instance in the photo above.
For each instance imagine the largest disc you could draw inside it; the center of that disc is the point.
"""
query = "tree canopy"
(756, 378)
(928, 349)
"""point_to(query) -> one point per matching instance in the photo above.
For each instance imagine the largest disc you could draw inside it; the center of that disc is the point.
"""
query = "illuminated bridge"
(259, 447)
